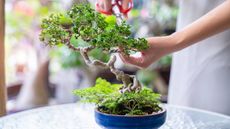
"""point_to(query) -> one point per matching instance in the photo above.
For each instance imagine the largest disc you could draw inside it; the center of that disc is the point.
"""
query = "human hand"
(106, 5)
(158, 47)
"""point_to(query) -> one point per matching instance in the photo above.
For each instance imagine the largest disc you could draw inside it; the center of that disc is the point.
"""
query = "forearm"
(212, 23)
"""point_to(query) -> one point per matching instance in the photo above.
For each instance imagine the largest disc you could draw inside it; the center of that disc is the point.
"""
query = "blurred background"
(39, 76)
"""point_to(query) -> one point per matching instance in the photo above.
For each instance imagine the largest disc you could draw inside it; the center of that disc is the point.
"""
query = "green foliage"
(99, 55)
(83, 22)
(146, 77)
(52, 31)
(66, 57)
(109, 100)
(165, 61)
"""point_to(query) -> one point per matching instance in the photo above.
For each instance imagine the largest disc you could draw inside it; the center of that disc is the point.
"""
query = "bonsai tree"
(83, 23)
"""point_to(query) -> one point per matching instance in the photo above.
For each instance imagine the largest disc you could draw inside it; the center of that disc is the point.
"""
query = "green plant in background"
(109, 100)
(146, 77)
(22, 24)
(84, 30)
(165, 61)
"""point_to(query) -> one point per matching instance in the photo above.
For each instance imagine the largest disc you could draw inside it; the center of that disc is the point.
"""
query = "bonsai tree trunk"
(2, 61)
(99, 34)
(130, 82)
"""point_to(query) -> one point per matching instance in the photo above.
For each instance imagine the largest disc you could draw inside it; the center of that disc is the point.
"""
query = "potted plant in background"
(118, 106)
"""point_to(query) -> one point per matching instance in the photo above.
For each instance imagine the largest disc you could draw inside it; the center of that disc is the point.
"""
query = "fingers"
(133, 60)
(125, 4)
(128, 59)
(105, 4)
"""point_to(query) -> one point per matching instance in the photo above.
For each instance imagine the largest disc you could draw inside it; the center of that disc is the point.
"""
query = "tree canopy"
(84, 23)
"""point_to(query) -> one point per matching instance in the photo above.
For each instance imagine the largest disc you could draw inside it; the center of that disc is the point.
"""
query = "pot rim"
(149, 115)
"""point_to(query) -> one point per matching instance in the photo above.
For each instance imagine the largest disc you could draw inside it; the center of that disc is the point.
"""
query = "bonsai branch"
(130, 82)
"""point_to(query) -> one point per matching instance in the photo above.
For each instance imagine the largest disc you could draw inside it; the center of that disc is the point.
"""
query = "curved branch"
(130, 83)
(72, 47)
(84, 53)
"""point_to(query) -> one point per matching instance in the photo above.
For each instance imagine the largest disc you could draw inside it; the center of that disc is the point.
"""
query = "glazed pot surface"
(110, 121)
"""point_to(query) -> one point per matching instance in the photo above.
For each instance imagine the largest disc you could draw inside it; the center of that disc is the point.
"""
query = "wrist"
(163, 44)
(178, 41)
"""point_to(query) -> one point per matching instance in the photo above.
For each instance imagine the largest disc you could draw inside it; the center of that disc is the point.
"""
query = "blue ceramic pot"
(109, 121)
